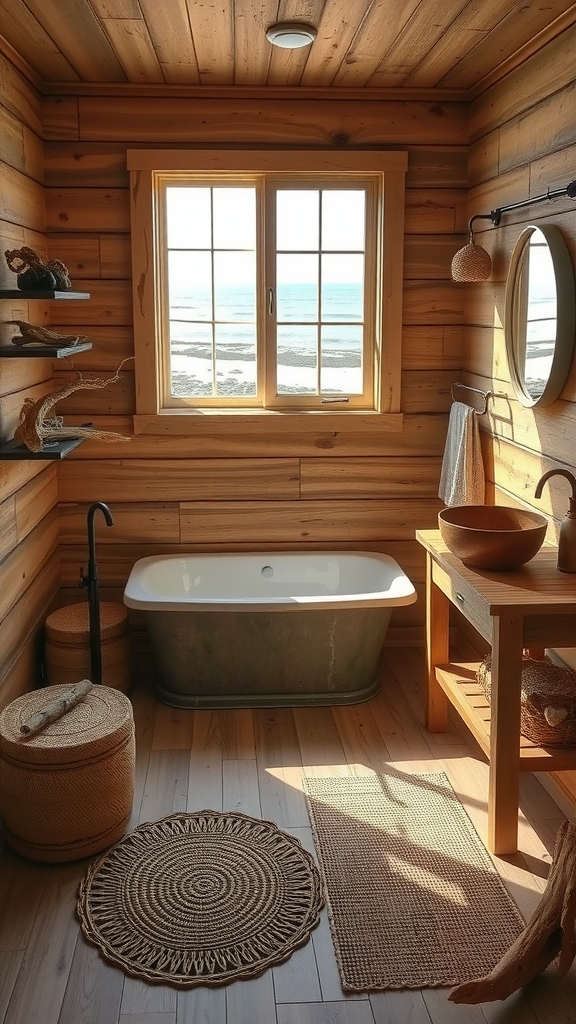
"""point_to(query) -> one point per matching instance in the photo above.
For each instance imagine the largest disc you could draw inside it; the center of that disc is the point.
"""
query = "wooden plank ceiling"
(361, 44)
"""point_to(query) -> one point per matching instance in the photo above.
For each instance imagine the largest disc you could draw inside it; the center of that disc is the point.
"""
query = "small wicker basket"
(67, 647)
(547, 701)
(67, 792)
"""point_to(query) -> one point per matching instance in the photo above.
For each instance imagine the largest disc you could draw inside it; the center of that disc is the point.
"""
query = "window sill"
(212, 421)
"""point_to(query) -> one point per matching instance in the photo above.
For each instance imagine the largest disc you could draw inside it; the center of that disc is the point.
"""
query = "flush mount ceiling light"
(291, 35)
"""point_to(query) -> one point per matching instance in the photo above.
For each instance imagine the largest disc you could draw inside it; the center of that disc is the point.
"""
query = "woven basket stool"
(67, 792)
(67, 648)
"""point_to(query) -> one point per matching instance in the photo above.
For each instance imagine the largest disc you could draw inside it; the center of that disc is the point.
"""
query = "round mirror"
(540, 315)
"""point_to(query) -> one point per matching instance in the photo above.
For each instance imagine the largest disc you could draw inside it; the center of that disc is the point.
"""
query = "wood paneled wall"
(279, 491)
(522, 142)
(29, 562)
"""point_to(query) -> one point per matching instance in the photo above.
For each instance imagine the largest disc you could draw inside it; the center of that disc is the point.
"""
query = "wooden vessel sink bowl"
(492, 536)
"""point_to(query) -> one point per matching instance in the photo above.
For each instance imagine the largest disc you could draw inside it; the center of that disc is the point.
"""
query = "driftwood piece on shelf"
(34, 428)
(32, 334)
(550, 932)
(56, 709)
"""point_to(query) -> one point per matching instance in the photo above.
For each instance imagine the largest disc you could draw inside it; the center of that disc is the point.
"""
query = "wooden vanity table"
(533, 606)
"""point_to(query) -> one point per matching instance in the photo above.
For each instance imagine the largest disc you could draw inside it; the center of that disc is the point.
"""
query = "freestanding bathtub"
(246, 630)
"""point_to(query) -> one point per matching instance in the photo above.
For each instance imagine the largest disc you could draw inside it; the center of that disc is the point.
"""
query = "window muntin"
(270, 292)
(208, 270)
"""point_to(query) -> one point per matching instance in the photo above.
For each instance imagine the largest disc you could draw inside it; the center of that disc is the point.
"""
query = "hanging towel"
(462, 474)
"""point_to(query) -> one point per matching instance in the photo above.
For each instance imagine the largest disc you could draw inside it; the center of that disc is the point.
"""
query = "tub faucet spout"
(90, 580)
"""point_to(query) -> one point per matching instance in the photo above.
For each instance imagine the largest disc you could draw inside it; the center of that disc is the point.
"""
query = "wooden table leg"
(504, 786)
(437, 652)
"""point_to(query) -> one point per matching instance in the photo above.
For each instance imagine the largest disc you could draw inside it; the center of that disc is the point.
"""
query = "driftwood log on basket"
(68, 699)
(550, 932)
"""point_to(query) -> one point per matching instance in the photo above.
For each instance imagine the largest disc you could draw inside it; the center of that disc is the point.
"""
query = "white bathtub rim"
(401, 591)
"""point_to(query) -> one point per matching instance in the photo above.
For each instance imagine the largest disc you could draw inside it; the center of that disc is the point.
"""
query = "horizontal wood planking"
(83, 164)
(517, 471)
(22, 565)
(24, 673)
(422, 434)
(17, 376)
(14, 475)
(309, 522)
(249, 479)
(369, 478)
(21, 199)
(138, 521)
(19, 97)
(306, 521)
(20, 148)
(182, 480)
(27, 617)
(268, 122)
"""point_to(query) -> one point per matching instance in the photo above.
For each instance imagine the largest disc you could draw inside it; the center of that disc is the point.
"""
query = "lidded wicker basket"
(67, 792)
(67, 648)
(547, 700)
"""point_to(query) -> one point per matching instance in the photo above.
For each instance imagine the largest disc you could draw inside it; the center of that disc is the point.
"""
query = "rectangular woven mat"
(413, 897)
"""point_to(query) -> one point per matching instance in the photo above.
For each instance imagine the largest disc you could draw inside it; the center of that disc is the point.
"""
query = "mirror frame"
(565, 316)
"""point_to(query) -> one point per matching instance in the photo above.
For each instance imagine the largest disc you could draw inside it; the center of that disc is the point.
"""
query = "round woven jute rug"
(201, 899)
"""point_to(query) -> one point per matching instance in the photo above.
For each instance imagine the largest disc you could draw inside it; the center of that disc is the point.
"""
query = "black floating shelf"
(46, 293)
(42, 351)
(12, 451)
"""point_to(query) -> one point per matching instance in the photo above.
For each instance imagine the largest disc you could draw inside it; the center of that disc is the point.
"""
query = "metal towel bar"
(477, 391)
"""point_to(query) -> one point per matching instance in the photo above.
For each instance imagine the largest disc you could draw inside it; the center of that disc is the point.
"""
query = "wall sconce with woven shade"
(472, 262)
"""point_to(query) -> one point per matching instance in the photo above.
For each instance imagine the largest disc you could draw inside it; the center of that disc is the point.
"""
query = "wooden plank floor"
(253, 761)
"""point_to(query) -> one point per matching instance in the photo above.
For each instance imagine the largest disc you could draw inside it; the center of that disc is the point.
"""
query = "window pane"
(342, 288)
(341, 360)
(297, 225)
(235, 360)
(234, 218)
(190, 360)
(297, 370)
(189, 285)
(343, 216)
(297, 288)
(188, 217)
(235, 286)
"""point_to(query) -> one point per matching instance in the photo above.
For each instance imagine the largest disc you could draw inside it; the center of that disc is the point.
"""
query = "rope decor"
(201, 899)
(33, 273)
(34, 429)
(471, 263)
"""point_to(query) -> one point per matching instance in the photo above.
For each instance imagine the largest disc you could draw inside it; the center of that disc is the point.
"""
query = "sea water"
(316, 335)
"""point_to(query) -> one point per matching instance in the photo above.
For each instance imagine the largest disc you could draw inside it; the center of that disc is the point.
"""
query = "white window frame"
(146, 166)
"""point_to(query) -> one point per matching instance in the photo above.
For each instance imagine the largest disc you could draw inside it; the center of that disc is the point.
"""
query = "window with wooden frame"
(267, 284)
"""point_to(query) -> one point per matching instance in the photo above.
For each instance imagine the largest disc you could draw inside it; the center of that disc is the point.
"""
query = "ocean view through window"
(267, 290)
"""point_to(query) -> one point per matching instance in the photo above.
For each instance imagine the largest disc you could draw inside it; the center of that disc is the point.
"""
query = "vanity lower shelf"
(459, 682)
